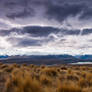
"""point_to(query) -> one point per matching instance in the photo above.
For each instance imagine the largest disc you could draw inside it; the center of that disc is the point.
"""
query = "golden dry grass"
(32, 78)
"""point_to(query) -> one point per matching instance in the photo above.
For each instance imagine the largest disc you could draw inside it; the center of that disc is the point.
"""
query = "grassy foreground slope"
(32, 78)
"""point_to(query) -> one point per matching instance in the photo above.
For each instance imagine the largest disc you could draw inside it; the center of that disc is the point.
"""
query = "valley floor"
(32, 78)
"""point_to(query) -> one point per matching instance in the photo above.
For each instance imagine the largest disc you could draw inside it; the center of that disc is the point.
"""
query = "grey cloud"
(32, 30)
(17, 8)
(28, 42)
(38, 31)
(72, 32)
(22, 14)
(87, 13)
(36, 35)
(61, 12)
(62, 9)
(85, 47)
(45, 31)
(8, 32)
(86, 31)
(23, 42)
(58, 10)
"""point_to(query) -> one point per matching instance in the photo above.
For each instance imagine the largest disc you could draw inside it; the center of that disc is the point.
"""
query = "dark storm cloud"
(87, 31)
(22, 14)
(32, 30)
(45, 31)
(8, 32)
(35, 35)
(87, 13)
(26, 43)
(17, 8)
(72, 32)
(61, 12)
(32, 42)
(23, 42)
(62, 9)
(58, 10)
(38, 36)
(38, 31)
(29, 41)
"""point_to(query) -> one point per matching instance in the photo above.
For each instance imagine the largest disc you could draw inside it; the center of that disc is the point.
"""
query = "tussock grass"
(71, 87)
(33, 78)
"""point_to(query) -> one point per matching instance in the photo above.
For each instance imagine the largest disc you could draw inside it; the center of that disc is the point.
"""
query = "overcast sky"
(35, 27)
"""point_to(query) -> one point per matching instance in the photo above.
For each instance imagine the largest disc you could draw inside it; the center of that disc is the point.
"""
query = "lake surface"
(82, 63)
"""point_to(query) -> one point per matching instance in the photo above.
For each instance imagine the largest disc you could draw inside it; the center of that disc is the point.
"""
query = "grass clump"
(33, 78)
(68, 87)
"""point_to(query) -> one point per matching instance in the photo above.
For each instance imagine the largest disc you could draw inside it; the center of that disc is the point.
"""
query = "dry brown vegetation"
(32, 78)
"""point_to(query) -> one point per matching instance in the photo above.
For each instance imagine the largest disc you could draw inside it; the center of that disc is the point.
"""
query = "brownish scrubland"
(33, 78)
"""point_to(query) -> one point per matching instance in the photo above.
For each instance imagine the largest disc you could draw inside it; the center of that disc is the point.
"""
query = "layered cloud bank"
(45, 27)
(45, 40)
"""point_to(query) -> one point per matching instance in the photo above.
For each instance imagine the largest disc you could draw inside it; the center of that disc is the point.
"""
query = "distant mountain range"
(45, 59)
(84, 57)
(3, 57)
